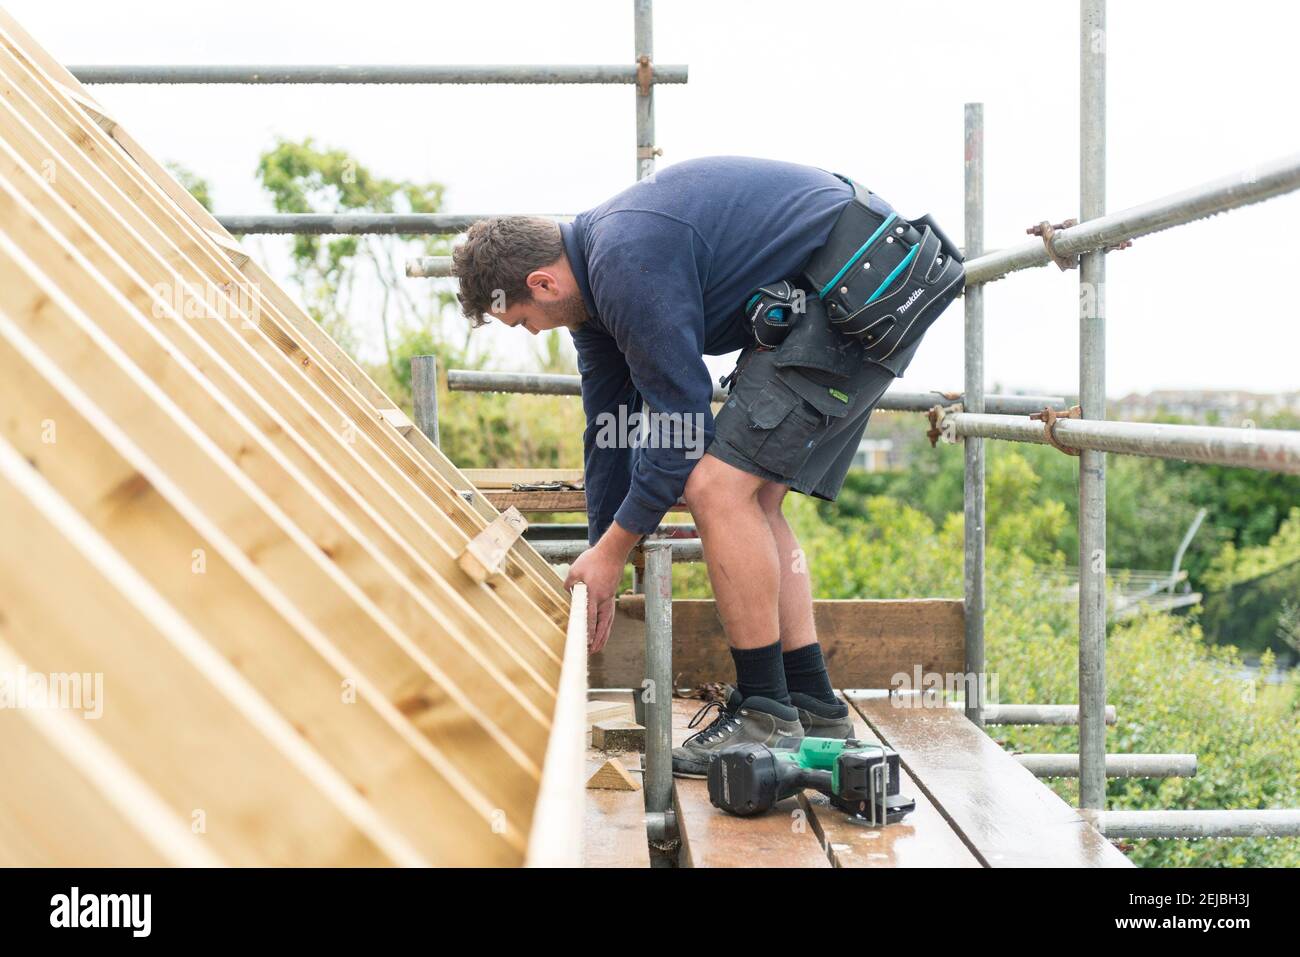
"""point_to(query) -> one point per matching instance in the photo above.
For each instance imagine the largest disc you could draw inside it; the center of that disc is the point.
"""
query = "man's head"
(514, 268)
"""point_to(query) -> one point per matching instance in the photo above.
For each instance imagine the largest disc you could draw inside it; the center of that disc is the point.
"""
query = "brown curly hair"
(494, 261)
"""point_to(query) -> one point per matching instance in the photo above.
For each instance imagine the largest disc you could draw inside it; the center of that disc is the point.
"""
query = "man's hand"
(601, 569)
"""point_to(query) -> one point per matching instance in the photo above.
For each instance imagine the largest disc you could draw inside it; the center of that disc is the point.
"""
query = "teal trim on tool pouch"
(861, 249)
(894, 275)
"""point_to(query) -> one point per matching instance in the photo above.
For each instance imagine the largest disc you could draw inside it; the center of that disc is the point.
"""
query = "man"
(690, 263)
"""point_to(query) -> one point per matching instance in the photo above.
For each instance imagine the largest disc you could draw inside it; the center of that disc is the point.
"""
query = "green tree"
(339, 276)
(194, 184)
(331, 271)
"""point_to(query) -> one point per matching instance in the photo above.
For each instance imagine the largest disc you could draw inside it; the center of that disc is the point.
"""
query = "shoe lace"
(723, 722)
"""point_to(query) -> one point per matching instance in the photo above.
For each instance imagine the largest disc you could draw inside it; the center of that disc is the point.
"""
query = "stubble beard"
(570, 313)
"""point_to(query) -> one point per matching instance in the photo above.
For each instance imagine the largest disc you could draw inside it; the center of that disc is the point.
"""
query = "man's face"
(541, 315)
(555, 302)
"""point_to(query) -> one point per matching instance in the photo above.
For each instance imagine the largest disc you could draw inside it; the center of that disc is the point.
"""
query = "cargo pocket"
(781, 431)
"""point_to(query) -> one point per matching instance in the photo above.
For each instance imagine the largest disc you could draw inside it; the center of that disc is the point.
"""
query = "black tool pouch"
(884, 279)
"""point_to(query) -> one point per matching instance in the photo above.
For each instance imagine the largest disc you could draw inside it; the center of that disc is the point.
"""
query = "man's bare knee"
(770, 497)
(715, 486)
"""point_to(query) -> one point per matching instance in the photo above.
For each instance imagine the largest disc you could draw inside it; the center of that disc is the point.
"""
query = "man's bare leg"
(801, 656)
(740, 549)
(797, 627)
(745, 569)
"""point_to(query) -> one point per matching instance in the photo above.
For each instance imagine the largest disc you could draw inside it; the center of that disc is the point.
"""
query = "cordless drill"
(860, 778)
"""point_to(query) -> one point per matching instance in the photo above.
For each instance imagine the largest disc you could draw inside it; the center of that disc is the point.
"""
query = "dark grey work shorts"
(770, 429)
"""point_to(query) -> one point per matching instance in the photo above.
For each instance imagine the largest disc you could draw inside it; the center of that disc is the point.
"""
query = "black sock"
(759, 672)
(805, 672)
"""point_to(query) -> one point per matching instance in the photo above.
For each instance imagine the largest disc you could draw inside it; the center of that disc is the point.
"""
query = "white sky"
(871, 89)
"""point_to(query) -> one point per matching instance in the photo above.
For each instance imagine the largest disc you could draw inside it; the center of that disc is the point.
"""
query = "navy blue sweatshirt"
(664, 268)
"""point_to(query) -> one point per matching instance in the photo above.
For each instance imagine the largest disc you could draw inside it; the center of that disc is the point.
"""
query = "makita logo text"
(910, 299)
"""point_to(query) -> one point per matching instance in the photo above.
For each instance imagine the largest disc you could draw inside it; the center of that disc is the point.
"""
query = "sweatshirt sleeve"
(606, 385)
(647, 279)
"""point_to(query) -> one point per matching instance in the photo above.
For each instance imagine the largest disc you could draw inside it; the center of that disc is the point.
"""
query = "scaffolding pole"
(545, 383)
(647, 76)
(657, 693)
(566, 552)
(376, 224)
(1266, 450)
(1092, 400)
(1195, 824)
(424, 395)
(1117, 765)
(973, 484)
(428, 267)
(1054, 714)
(529, 74)
(1253, 185)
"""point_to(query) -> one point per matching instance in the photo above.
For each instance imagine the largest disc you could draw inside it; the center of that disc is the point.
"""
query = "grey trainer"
(822, 720)
(753, 720)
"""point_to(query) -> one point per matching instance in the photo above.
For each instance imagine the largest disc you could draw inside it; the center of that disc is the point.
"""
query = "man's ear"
(542, 284)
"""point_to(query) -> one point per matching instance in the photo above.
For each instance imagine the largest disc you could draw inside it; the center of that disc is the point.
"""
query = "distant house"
(1216, 406)
(874, 455)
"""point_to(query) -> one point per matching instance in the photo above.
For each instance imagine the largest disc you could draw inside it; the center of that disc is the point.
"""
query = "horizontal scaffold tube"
(428, 267)
(565, 553)
(1253, 185)
(540, 383)
(320, 224)
(383, 73)
(1269, 450)
(567, 531)
(1034, 713)
(1193, 824)
(1117, 765)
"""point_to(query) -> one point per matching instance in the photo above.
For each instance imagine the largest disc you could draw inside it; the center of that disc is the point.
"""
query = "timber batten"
(200, 490)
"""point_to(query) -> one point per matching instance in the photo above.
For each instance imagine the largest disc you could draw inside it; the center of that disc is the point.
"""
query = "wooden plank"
(484, 557)
(556, 838)
(614, 829)
(922, 839)
(452, 711)
(397, 419)
(563, 501)
(249, 619)
(508, 629)
(1004, 814)
(506, 478)
(232, 418)
(197, 242)
(509, 638)
(75, 804)
(867, 642)
(180, 716)
(712, 838)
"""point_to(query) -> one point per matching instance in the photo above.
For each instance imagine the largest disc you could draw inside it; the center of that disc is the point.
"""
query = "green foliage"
(478, 430)
(1233, 565)
(331, 271)
(195, 185)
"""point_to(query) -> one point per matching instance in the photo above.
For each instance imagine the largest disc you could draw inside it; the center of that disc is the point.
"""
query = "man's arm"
(646, 282)
(606, 387)
(653, 303)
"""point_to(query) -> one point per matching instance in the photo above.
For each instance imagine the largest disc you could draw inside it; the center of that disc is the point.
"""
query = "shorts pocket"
(780, 432)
